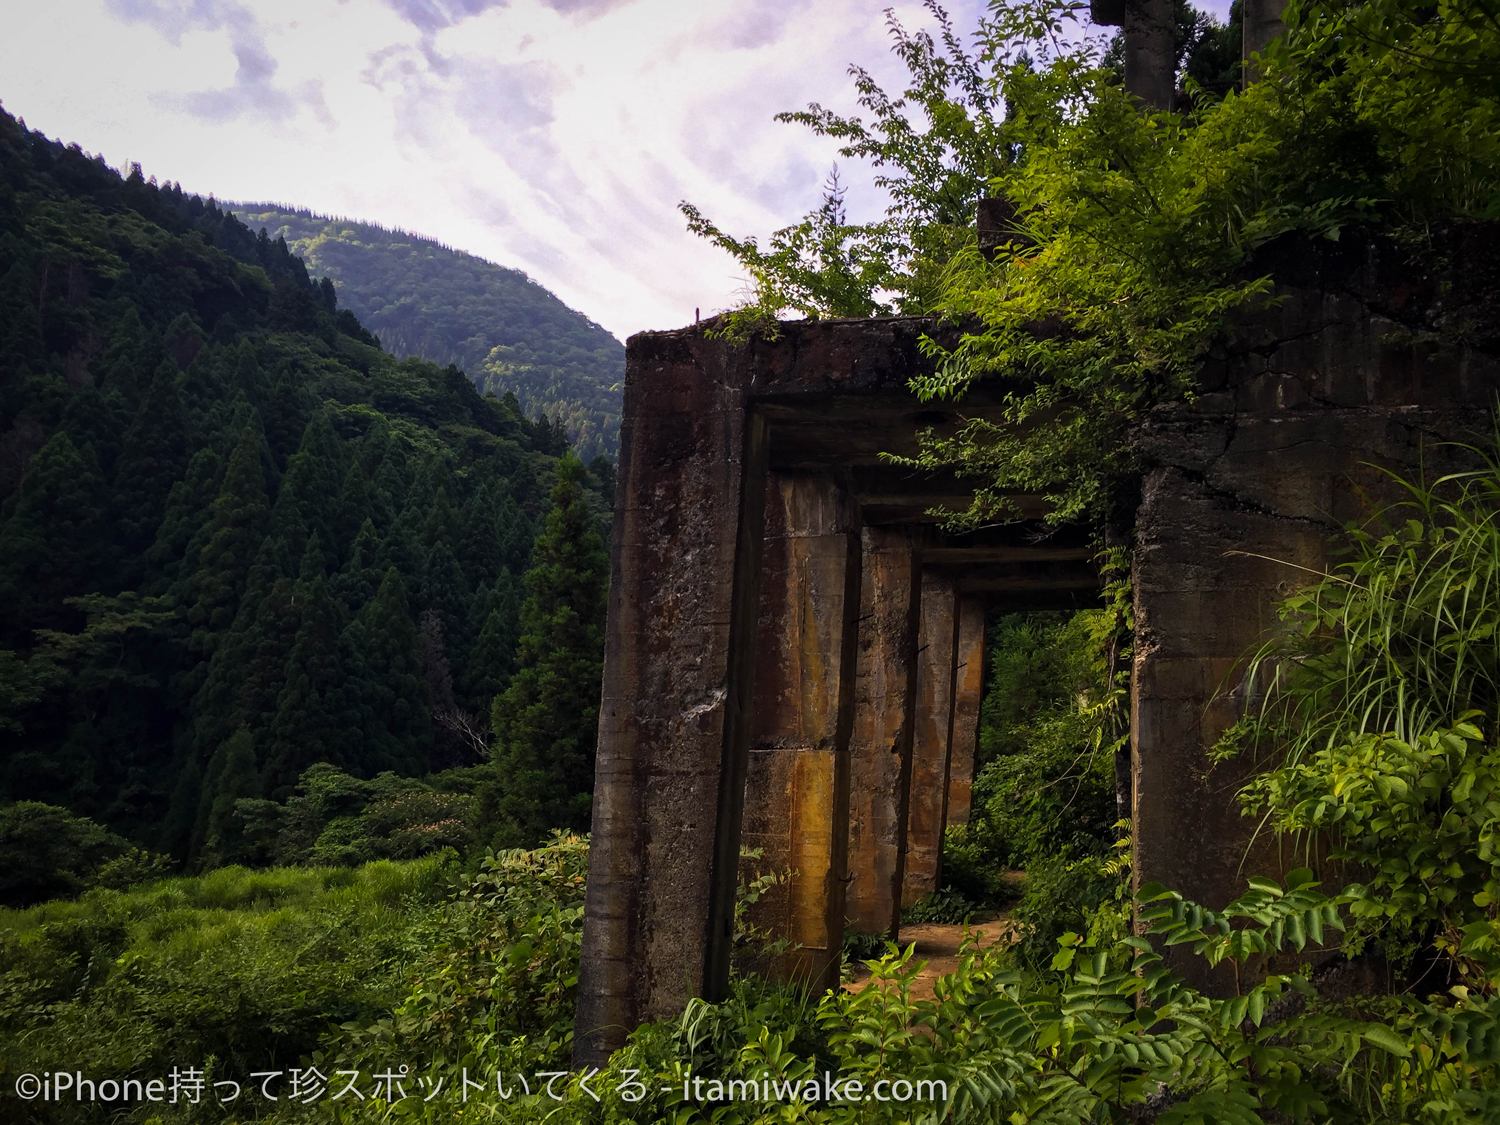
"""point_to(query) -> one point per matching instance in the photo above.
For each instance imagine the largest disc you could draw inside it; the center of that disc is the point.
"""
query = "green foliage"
(243, 971)
(1089, 1038)
(336, 819)
(1044, 794)
(946, 906)
(505, 330)
(496, 992)
(1130, 234)
(1417, 824)
(547, 721)
(46, 852)
(1398, 638)
(1372, 695)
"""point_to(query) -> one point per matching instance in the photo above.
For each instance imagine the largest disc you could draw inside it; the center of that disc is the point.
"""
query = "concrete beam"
(932, 739)
(885, 685)
(968, 695)
(678, 678)
(797, 787)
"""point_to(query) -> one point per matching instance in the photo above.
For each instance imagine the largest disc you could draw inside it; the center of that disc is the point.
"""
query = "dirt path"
(938, 945)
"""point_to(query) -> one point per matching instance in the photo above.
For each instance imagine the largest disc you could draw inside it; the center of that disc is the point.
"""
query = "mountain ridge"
(423, 297)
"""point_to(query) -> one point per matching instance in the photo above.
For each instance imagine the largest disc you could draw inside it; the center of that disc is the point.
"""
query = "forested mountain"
(237, 538)
(423, 298)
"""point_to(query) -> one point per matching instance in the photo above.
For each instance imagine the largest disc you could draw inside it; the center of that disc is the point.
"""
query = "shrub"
(47, 852)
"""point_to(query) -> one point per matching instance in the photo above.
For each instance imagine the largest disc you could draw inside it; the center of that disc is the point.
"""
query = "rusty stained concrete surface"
(885, 686)
(1362, 361)
(797, 784)
(684, 557)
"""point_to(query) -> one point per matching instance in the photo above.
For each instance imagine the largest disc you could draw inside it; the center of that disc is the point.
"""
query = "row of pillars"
(864, 724)
(1150, 48)
(776, 675)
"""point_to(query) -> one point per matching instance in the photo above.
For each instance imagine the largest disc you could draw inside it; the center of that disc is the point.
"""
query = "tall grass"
(245, 970)
(1401, 637)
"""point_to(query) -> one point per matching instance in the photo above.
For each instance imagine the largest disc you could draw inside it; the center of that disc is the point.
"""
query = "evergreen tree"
(446, 593)
(403, 548)
(396, 684)
(188, 507)
(52, 544)
(176, 838)
(97, 418)
(249, 378)
(308, 722)
(308, 500)
(357, 583)
(286, 412)
(479, 545)
(516, 533)
(153, 456)
(546, 722)
(492, 658)
(260, 660)
(389, 477)
(237, 524)
(353, 507)
(205, 383)
(132, 358)
(231, 775)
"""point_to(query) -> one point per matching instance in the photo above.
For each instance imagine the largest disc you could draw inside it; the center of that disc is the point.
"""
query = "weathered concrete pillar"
(678, 673)
(968, 695)
(1150, 60)
(880, 746)
(1262, 23)
(932, 739)
(797, 786)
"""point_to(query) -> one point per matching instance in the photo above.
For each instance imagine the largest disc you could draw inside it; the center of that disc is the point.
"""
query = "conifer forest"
(302, 637)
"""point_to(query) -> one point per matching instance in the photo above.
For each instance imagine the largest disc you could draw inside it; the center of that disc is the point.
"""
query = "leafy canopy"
(1125, 236)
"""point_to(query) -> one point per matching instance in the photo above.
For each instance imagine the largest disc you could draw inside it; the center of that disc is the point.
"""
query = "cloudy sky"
(556, 136)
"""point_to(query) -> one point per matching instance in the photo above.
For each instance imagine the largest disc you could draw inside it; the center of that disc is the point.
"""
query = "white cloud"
(557, 136)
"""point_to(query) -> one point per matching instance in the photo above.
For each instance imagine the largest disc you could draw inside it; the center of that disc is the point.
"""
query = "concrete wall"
(1304, 406)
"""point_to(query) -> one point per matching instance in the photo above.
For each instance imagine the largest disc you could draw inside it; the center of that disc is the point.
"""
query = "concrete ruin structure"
(794, 655)
(795, 645)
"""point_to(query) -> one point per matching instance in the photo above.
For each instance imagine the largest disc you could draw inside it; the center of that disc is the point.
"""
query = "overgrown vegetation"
(1126, 236)
(505, 330)
(234, 970)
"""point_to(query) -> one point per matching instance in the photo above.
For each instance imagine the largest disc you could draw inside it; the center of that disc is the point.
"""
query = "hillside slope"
(237, 538)
(422, 298)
